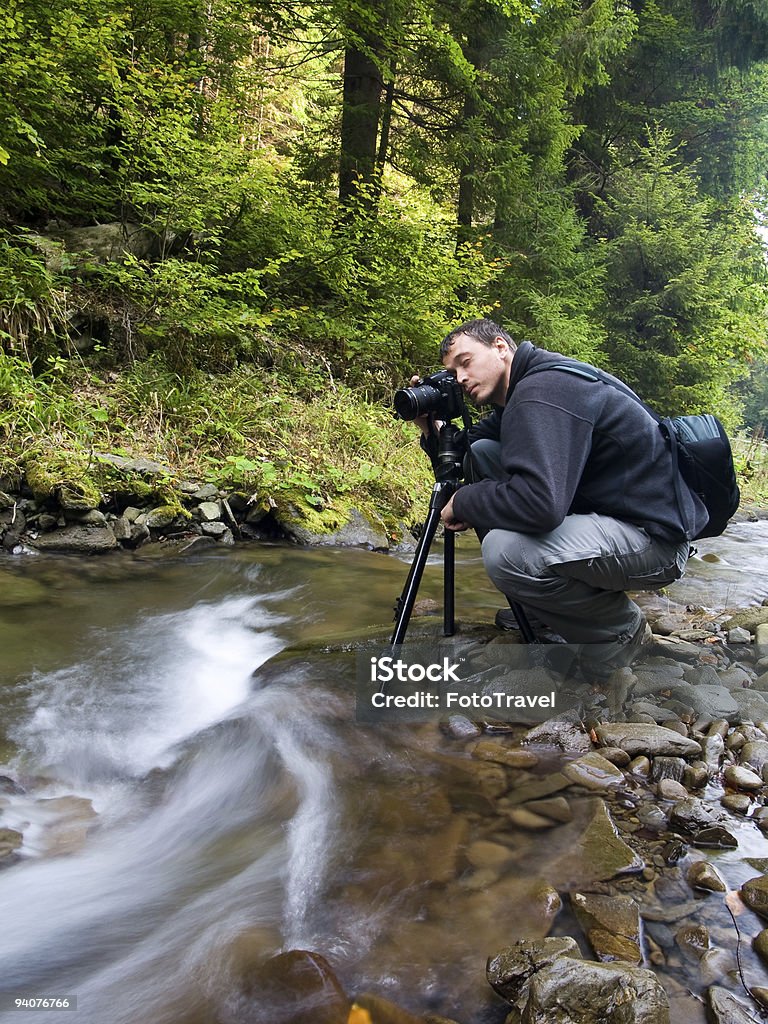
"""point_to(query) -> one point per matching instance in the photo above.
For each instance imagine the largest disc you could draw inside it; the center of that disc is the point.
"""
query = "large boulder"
(548, 981)
(77, 540)
(641, 738)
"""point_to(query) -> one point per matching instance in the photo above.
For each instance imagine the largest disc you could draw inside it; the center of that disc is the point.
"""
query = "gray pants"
(575, 577)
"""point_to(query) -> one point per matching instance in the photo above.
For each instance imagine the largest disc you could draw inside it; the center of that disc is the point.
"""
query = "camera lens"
(412, 402)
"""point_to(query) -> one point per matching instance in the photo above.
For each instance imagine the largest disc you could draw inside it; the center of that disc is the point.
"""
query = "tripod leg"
(407, 599)
(449, 576)
(526, 632)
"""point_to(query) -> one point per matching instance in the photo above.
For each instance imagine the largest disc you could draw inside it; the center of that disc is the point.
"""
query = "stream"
(195, 794)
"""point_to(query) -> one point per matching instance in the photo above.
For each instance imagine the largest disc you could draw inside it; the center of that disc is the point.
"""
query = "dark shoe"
(598, 661)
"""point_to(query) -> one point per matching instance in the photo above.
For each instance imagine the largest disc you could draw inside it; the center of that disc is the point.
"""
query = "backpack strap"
(587, 372)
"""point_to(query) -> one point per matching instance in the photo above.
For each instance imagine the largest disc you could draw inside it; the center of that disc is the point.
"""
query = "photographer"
(572, 493)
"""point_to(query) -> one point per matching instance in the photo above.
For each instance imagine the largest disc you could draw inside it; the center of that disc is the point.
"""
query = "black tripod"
(448, 475)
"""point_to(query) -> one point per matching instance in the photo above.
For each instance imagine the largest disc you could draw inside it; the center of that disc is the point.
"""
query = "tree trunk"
(359, 124)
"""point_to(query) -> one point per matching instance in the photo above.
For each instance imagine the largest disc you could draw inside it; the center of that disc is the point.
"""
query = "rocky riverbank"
(147, 505)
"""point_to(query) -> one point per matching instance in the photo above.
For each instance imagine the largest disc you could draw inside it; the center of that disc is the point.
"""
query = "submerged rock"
(725, 1008)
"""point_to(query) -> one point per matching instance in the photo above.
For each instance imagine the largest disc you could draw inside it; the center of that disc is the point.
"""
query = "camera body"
(440, 395)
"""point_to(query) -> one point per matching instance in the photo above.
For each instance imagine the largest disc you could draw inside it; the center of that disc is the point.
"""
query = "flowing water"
(241, 811)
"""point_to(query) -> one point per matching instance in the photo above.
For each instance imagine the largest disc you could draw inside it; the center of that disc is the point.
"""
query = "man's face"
(482, 370)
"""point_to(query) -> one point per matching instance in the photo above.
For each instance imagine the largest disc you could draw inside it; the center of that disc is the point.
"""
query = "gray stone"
(459, 727)
(651, 712)
(715, 701)
(749, 618)
(80, 540)
(761, 634)
(668, 789)
(616, 756)
(121, 528)
(143, 467)
(93, 517)
(214, 529)
(755, 754)
(725, 1008)
(739, 635)
(713, 750)
(593, 772)
(638, 738)
(691, 814)
(702, 875)
(208, 511)
(752, 705)
(668, 768)
(735, 677)
(715, 837)
(160, 518)
(562, 733)
(742, 778)
(206, 492)
(737, 803)
(357, 532)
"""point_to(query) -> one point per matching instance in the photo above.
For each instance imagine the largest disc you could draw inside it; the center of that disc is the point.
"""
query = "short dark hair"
(484, 331)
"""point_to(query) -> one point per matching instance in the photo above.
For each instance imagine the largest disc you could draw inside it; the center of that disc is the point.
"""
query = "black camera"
(439, 394)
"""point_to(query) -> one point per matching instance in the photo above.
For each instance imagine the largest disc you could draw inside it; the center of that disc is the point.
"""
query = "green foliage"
(685, 285)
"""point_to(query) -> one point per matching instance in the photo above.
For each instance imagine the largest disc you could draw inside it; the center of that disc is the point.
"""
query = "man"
(576, 502)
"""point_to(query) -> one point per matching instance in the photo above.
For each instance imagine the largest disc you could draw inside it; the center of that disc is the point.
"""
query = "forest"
(229, 230)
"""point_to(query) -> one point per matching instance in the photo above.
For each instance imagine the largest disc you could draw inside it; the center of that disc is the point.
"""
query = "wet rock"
(668, 768)
(691, 814)
(760, 945)
(742, 778)
(755, 754)
(713, 750)
(716, 965)
(293, 988)
(537, 788)
(556, 809)
(459, 727)
(702, 875)
(593, 772)
(715, 838)
(611, 925)
(616, 756)
(645, 711)
(639, 766)
(9, 785)
(737, 803)
(78, 540)
(562, 989)
(678, 649)
(485, 854)
(724, 1008)
(161, 518)
(562, 733)
(760, 995)
(692, 940)
(653, 818)
(512, 757)
(522, 818)
(638, 738)
(696, 776)
(205, 493)
(511, 969)
(10, 841)
(668, 789)
(754, 892)
(595, 851)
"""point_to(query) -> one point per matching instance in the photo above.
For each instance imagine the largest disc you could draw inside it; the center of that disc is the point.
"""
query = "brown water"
(237, 817)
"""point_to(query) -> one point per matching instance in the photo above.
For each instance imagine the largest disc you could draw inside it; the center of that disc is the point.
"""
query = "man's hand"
(450, 522)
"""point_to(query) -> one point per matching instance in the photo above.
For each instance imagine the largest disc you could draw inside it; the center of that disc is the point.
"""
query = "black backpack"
(701, 453)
